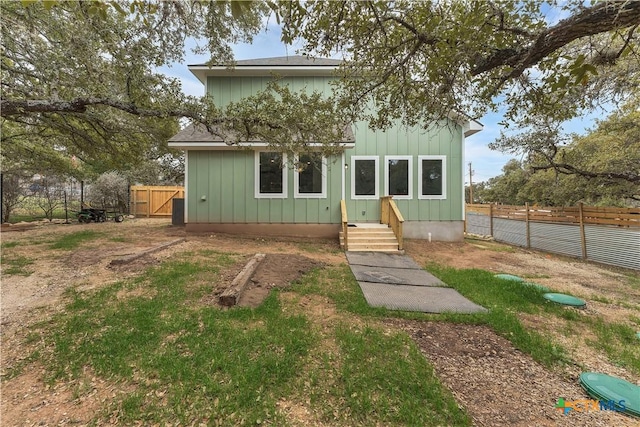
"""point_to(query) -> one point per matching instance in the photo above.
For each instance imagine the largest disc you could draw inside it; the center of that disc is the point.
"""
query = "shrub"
(110, 190)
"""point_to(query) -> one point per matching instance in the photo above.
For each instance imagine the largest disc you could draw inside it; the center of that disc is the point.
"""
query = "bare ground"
(497, 384)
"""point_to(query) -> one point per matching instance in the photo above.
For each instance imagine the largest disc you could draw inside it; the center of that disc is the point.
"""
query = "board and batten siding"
(443, 139)
(226, 181)
(232, 89)
(220, 176)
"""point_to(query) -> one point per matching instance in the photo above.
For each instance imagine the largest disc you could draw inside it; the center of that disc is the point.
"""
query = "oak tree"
(416, 60)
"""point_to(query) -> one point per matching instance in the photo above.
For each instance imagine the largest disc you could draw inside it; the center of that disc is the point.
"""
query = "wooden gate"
(153, 201)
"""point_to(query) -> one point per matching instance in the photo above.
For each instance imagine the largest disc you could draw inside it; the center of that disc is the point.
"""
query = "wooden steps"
(371, 238)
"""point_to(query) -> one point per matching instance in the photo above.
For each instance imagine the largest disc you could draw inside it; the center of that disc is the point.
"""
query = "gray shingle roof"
(198, 133)
(288, 61)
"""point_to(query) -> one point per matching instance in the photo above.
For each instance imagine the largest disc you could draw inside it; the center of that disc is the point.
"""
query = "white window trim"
(296, 183)
(256, 185)
(409, 177)
(353, 178)
(186, 186)
(444, 178)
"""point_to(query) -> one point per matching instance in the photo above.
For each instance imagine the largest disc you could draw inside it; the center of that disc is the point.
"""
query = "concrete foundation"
(441, 231)
(323, 231)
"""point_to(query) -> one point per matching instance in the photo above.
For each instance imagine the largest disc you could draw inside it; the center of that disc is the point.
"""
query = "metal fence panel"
(510, 231)
(478, 224)
(557, 238)
(614, 246)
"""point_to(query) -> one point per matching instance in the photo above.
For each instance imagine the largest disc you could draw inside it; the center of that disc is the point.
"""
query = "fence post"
(583, 237)
(491, 219)
(148, 202)
(526, 207)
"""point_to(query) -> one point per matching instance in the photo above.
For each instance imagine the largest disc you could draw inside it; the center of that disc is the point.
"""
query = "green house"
(245, 189)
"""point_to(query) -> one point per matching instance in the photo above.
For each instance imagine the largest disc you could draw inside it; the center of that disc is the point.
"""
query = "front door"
(363, 191)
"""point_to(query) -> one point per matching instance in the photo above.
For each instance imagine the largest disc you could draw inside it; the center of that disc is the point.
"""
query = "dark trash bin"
(177, 212)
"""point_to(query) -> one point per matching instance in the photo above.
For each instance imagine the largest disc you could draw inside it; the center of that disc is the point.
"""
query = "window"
(399, 177)
(364, 177)
(432, 182)
(271, 176)
(311, 177)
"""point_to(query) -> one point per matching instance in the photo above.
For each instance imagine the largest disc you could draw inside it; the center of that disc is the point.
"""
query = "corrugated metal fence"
(607, 235)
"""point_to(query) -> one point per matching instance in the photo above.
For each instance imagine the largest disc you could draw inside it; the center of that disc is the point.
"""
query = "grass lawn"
(183, 361)
(315, 345)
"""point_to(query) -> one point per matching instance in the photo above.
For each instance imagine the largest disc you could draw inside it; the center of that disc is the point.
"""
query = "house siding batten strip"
(222, 183)
(186, 186)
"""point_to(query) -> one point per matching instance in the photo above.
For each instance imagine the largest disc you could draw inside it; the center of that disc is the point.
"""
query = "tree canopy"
(80, 81)
(80, 78)
(424, 59)
(601, 167)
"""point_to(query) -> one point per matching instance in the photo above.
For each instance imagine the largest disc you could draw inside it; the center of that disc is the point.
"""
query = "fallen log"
(130, 258)
(231, 295)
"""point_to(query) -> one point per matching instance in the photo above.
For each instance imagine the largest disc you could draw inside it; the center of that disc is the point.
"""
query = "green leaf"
(119, 8)
(236, 9)
(590, 68)
(48, 4)
(578, 62)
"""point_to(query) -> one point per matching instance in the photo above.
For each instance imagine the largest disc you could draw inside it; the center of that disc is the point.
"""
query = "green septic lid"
(638, 335)
(565, 299)
(612, 390)
(537, 286)
(509, 277)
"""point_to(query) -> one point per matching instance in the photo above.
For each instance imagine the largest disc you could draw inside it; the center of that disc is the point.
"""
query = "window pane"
(431, 177)
(271, 173)
(365, 174)
(310, 175)
(398, 177)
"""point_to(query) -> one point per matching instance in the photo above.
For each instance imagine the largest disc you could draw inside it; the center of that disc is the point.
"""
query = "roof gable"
(197, 137)
(296, 65)
(292, 61)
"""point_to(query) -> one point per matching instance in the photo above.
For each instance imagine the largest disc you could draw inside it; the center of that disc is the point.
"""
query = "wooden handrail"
(390, 215)
(345, 225)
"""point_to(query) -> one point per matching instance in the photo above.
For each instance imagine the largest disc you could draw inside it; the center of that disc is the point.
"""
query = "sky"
(486, 163)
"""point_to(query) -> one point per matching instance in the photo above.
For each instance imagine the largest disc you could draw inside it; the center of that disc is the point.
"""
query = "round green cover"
(565, 299)
(509, 277)
(607, 388)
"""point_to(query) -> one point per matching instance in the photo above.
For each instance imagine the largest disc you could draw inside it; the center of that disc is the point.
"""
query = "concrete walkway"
(396, 282)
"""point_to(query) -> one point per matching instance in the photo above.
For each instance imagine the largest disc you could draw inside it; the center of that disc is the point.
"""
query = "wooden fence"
(153, 202)
(607, 235)
(621, 217)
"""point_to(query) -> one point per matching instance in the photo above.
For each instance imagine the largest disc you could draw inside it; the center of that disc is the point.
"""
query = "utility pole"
(470, 184)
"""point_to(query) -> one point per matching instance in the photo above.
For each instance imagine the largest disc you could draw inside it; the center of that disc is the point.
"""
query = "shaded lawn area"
(182, 361)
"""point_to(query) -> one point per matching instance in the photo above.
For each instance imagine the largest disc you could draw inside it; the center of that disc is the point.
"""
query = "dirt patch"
(591, 282)
(276, 270)
(26, 398)
(497, 384)
(27, 402)
(136, 266)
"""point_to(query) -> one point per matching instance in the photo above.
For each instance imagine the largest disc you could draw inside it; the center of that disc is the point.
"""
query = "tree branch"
(567, 169)
(10, 108)
(602, 17)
